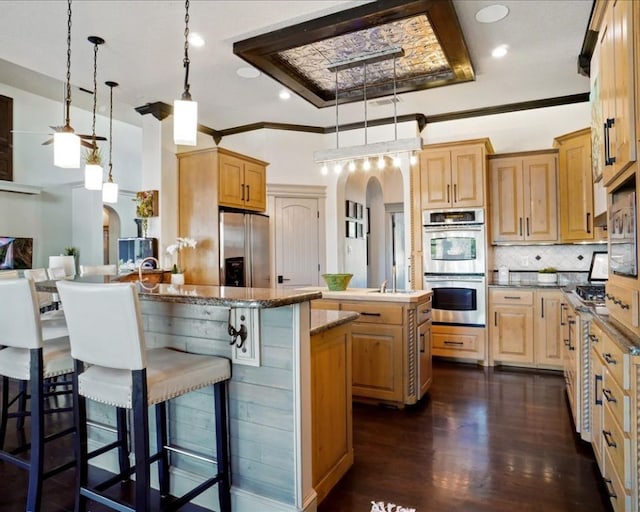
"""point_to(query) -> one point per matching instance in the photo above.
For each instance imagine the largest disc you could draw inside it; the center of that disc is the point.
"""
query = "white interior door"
(296, 242)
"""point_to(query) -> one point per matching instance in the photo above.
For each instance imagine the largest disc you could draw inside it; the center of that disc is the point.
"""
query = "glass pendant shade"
(92, 177)
(110, 192)
(185, 122)
(66, 150)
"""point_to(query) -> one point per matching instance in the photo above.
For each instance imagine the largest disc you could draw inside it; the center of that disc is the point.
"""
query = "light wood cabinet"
(614, 418)
(524, 197)
(617, 87)
(331, 411)
(458, 342)
(453, 175)
(242, 182)
(576, 186)
(525, 327)
(205, 178)
(511, 330)
(391, 349)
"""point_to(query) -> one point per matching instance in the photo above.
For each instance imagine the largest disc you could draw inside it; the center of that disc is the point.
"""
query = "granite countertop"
(600, 314)
(324, 319)
(526, 284)
(371, 294)
(226, 296)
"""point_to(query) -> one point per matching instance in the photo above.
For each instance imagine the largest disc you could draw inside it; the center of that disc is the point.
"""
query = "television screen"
(15, 253)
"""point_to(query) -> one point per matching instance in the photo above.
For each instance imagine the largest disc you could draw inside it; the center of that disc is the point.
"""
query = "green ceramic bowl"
(337, 282)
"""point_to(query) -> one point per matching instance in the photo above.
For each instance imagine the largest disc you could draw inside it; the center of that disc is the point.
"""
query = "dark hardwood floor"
(481, 440)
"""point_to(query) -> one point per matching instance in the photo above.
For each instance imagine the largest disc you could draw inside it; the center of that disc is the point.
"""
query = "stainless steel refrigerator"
(244, 250)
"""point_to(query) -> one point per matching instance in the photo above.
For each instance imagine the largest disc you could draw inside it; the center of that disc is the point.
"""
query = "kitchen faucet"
(383, 286)
(148, 258)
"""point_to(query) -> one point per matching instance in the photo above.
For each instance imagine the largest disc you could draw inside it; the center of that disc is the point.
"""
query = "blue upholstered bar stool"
(30, 360)
(114, 367)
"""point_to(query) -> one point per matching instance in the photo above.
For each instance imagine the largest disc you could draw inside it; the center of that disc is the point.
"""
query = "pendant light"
(92, 168)
(66, 144)
(109, 187)
(185, 110)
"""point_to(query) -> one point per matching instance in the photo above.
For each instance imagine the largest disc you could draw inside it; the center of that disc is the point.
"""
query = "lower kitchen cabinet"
(391, 342)
(524, 327)
(614, 417)
(458, 342)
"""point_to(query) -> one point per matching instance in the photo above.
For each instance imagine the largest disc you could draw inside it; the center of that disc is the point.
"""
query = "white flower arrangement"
(181, 243)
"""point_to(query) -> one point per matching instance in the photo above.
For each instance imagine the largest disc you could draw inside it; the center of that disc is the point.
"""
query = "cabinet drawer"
(622, 304)
(375, 313)
(457, 342)
(424, 312)
(596, 338)
(616, 445)
(616, 361)
(620, 500)
(512, 296)
(618, 402)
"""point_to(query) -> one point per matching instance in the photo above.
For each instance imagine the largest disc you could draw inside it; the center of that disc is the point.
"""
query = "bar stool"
(98, 270)
(114, 367)
(31, 361)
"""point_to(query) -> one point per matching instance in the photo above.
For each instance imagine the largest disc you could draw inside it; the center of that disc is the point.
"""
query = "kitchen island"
(270, 421)
(391, 342)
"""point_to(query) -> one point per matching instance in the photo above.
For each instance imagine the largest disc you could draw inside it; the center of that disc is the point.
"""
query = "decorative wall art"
(351, 229)
(147, 204)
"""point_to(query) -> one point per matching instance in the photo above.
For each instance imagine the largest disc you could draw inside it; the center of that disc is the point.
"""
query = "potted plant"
(177, 271)
(548, 275)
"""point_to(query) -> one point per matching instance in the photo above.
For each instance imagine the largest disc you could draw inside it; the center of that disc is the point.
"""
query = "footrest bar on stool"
(59, 469)
(115, 479)
(188, 453)
(186, 498)
(112, 503)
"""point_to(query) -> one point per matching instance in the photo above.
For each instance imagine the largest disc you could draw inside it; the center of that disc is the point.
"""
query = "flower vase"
(145, 227)
(177, 278)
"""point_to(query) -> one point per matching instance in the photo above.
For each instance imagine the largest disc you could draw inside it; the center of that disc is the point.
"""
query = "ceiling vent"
(390, 100)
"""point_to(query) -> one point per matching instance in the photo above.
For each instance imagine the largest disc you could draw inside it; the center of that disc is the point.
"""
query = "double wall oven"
(454, 265)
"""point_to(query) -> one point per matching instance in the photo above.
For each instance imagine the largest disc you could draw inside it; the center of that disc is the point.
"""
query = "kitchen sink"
(406, 292)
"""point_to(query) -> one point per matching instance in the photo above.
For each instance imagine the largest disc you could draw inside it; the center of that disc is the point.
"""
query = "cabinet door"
(540, 198)
(506, 199)
(467, 177)
(576, 188)
(230, 185)
(424, 346)
(255, 187)
(377, 361)
(547, 329)
(435, 179)
(512, 333)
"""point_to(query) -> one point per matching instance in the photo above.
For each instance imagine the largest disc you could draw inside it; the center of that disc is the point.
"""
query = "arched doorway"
(110, 235)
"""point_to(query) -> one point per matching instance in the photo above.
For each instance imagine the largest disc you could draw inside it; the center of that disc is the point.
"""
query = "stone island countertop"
(205, 295)
(324, 319)
(370, 294)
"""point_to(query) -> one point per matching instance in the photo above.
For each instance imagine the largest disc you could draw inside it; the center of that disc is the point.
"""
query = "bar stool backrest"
(56, 273)
(98, 270)
(66, 262)
(9, 274)
(19, 314)
(36, 274)
(105, 325)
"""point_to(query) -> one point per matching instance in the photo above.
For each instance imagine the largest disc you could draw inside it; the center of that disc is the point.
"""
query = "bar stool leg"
(123, 444)
(141, 439)
(36, 463)
(222, 446)
(161, 442)
(80, 440)
(5, 411)
(22, 403)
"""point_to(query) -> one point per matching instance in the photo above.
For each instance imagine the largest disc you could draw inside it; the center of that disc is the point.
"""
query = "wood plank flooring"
(482, 440)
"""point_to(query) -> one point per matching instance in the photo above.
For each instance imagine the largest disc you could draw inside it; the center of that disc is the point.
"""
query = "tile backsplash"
(530, 258)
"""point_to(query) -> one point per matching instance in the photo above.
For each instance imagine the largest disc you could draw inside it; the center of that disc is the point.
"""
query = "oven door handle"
(451, 279)
(447, 228)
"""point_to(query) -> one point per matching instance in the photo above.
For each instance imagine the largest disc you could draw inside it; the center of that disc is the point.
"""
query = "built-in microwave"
(623, 259)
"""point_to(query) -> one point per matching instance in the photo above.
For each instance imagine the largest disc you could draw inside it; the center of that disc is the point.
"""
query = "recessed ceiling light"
(196, 39)
(284, 94)
(248, 72)
(500, 51)
(492, 13)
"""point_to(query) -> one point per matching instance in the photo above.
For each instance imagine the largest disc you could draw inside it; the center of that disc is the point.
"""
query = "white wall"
(61, 216)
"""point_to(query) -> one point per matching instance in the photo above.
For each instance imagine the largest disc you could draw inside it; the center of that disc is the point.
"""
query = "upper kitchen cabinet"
(242, 181)
(453, 175)
(616, 89)
(524, 197)
(576, 186)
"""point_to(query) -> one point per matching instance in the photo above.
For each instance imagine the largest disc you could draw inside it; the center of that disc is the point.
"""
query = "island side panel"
(269, 410)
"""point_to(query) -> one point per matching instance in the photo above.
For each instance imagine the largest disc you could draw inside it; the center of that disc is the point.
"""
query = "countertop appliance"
(594, 292)
(244, 249)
